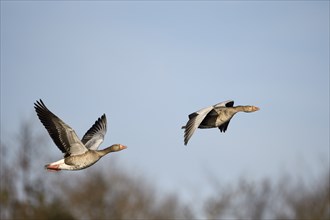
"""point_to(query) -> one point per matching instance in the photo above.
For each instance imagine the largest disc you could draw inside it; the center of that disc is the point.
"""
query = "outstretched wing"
(195, 119)
(95, 135)
(62, 134)
(228, 103)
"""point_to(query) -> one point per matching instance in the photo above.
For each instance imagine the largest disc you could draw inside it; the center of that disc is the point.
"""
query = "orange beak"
(122, 147)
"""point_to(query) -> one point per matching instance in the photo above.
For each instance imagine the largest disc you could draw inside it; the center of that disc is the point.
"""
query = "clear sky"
(147, 65)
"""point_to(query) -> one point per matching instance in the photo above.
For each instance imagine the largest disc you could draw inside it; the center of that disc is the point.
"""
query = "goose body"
(78, 154)
(215, 116)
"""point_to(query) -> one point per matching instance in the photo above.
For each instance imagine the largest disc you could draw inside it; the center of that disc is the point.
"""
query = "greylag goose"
(216, 116)
(78, 154)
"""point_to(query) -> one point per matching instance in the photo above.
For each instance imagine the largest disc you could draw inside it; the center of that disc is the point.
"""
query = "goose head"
(117, 147)
(111, 149)
(250, 108)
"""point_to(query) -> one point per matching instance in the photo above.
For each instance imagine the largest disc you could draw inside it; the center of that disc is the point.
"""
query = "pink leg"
(53, 168)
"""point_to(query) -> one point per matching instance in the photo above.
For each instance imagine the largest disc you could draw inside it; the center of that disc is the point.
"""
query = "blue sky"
(147, 65)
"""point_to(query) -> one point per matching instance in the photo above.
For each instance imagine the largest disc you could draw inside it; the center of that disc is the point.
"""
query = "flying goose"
(215, 116)
(78, 154)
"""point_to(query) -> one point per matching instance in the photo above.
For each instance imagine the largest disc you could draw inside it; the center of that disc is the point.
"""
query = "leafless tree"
(112, 192)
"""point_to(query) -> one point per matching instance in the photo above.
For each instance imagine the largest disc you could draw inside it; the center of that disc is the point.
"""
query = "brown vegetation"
(114, 194)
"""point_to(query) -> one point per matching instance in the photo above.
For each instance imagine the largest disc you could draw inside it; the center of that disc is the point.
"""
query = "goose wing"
(228, 103)
(221, 105)
(195, 119)
(62, 134)
(95, 135)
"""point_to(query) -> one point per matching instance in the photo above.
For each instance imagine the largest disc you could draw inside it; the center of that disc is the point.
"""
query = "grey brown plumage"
(215, 116)
(78, 154)
(95, 134)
